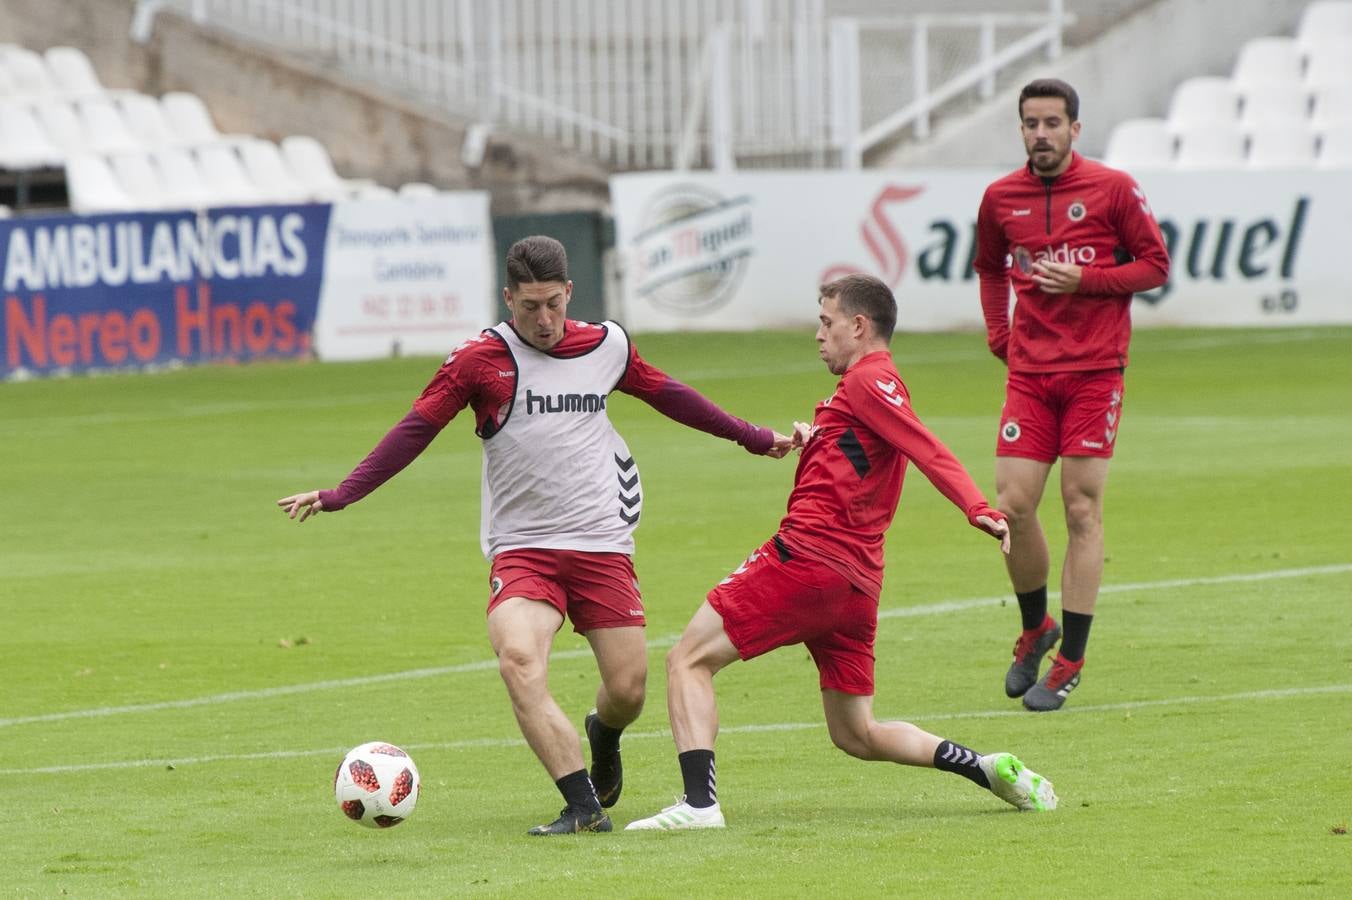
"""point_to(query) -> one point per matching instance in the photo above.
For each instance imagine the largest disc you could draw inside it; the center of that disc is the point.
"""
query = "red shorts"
(1060, 414)
(774, 599)
(593, 590)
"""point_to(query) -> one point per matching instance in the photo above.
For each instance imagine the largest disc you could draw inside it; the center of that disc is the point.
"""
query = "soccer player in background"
(1076, 239)
(817, 581)
(561, 501)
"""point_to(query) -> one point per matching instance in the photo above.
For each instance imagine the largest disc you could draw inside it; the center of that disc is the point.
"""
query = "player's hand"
(781, 447)
(997, 529)
(306, 504)
(802, 433)
(1057, 278)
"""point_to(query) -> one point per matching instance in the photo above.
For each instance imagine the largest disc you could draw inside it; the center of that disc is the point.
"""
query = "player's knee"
(519, 667)
(1084, 515)
(852, 742)
(628, 690)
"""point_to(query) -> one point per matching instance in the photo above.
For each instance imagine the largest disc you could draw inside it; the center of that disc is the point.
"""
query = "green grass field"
(181, 667)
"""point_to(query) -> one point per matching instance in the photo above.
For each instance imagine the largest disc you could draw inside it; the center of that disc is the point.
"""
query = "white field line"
(337, 752)
(482, 665)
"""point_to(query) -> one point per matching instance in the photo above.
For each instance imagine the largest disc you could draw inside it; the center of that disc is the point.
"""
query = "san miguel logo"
(884, 242)
(692, 250)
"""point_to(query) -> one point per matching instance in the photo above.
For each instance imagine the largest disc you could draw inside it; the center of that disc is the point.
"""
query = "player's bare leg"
(702, 651)
(1082, 482)
(1020, 484)
(853, 728)
(522, 632)
(622, 658)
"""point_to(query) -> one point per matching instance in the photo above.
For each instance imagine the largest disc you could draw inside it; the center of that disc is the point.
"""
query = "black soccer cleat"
(607, 772)
(1028, 652)
(1050, 693)
(574, 821)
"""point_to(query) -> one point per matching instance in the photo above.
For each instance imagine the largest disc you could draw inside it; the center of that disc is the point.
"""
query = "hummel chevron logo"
(1112, 418)
(629, 501)
(631, 519)
(888, 388)
(890, 392)
(954, 754)
(628, 483)
(625, 464)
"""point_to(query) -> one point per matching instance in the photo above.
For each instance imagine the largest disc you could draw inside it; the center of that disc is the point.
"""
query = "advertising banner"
(700, 251)
(406, 276)
(89, 293)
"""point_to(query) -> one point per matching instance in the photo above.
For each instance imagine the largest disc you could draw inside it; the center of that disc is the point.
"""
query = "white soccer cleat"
(679, 817)
(1016, 784)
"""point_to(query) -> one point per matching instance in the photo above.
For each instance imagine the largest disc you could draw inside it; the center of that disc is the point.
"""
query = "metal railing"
(643, 84)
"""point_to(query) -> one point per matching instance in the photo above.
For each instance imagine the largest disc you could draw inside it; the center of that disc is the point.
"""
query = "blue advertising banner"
(121, 291)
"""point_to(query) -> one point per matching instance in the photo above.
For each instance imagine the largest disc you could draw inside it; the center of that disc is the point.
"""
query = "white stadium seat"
(1335, 148)
(63, 126)
(1274, 103)
(1324, 19)
(417, 189)
(188, 119)
(93, 188)
(8, 89)
(1140, 143)
(225, 176)
(5, 211)
(1282, 148)
(1329, 61)
(104, 126)
(29, 72)
(264, 164)
(72, 72)
(1268, 59)
(310, 162)
(23, 141)
(1211, 146)
(1332, 106)
(1203, 100)
(145, 119)
(140, 179)
(184, 185)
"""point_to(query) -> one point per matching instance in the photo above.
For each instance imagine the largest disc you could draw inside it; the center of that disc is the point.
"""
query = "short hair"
(536, 258)
(867, 296)
(1052, 87)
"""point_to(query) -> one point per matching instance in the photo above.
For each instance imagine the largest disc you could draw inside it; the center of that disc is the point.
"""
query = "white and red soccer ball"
(377, 785)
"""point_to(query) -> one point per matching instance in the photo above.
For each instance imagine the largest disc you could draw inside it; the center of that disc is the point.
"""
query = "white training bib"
(557, 475)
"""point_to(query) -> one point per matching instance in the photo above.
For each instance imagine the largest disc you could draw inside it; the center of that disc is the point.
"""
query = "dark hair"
(536, 258)
(1052, 87)
(867, 296)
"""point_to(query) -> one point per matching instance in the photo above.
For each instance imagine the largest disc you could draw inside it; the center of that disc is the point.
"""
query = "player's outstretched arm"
(782, 445)
(993, 523)
(304, 505)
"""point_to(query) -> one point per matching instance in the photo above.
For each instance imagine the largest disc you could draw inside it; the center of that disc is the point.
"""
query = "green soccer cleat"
(679, 817)
(574, 821)
(1016, 784)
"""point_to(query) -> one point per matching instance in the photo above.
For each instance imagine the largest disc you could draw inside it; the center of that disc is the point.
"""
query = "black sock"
(578, 792)
(1076, 634)
(697, 771)
(1033, 607)
(956, 758)
(604, 740)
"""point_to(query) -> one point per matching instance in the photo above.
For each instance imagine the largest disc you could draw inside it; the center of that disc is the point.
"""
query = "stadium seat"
(417, 189)
(92, 187)
(1335, 147)
(1140, 143)
(104, 126)
(145, 120)
(23, 141)
(1288, 147)
(225, 176)
(1211, 146)
(5, 211)
(1268, 59)
(1322, 20)
(72, 72)
(62, 126)
(1329, 61)
(29, 72)
(310, 162)
(1274, 103)
(1203, 100)
(264, 164)
(184, 185)
(375, 192)
(8, 89)
(1332, 106)
(138, 177)
(188, 119)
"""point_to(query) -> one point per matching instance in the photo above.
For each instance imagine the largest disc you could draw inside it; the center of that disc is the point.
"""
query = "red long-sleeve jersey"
(1089, 215)
(849, 477)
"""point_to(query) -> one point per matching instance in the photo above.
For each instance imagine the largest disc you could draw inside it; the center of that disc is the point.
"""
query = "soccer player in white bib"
(561, 498)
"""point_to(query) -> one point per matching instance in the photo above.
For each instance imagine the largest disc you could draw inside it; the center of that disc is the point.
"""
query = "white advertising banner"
(406, 276)
(701, 251)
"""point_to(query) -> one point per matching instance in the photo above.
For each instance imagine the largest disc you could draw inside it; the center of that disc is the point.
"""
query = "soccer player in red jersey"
(1075, 239)
(562, 497)
(817, 581)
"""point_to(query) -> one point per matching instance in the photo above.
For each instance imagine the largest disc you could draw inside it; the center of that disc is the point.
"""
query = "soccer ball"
(377, 785)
